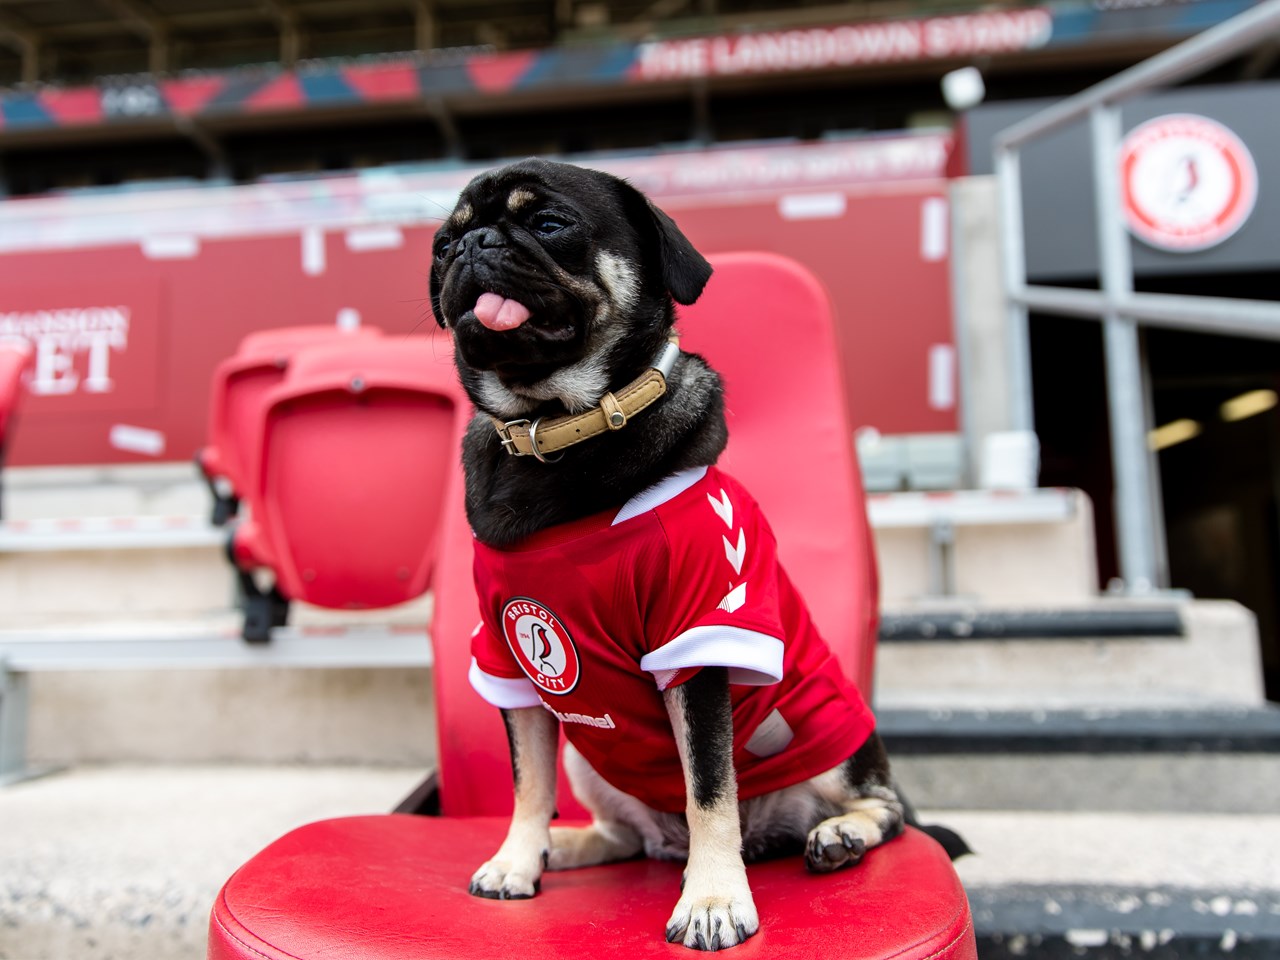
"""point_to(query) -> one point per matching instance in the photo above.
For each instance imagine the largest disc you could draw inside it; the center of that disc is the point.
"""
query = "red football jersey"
(593, 619)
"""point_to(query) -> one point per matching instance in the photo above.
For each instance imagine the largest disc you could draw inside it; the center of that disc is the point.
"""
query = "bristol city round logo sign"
(1187, 182)
(541, 645)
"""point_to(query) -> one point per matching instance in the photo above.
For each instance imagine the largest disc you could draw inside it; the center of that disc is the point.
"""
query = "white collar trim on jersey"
(662, 491)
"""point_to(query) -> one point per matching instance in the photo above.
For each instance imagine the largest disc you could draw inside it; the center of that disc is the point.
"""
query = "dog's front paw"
(501, 880)
(835, 843)
(713, 922)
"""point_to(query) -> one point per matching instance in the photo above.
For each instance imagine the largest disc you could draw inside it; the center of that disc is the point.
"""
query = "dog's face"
(551, 277)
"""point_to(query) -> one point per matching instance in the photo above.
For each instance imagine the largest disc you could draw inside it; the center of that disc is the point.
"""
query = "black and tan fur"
(599, 268)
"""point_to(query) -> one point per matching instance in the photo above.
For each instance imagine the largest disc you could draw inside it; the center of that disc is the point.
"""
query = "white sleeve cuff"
(754, 659)
(503, 692)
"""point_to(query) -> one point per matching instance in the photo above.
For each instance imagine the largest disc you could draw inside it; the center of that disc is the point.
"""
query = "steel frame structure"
(1121, 310)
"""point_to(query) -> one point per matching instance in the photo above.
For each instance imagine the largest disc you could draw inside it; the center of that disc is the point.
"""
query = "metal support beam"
(1220, 315)
(1013, 264)
(425, 25)
(448, 128)
(219, 165)
(25, 42)
(133, 17)
(13, 723)
(158, 52)
(31, 61)
(1138, 510)
(286, 19)
(942, 559)
(1139, 515)
(146, 25)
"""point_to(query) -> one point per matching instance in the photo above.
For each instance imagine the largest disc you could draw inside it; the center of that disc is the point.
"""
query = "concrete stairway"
(1113, 765)
(124, 860)
(1119, 788)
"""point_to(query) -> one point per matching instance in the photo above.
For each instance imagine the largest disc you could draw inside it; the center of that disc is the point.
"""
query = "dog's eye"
(442, 248)
(546, 224)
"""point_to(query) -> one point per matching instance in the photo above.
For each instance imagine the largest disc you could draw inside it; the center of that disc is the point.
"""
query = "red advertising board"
(129, 326)
(96, 343)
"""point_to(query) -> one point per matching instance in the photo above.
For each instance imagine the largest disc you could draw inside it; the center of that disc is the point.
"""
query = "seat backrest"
(353, 457)
(766, 324)
(240, 385)
(15, 358)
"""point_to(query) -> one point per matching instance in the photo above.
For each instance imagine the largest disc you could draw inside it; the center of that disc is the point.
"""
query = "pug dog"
(631, 591)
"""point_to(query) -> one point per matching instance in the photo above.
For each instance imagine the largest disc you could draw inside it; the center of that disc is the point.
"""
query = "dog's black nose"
(482, 238)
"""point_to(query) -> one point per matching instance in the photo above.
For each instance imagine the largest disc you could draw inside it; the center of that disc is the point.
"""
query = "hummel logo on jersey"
(723, 508)
(734, 599)
(735, 555)
(600, 723)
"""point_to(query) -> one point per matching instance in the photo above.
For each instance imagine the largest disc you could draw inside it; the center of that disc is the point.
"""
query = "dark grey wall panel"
(1057, 182)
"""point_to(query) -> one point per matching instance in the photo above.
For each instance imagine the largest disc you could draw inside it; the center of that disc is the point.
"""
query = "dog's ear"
(684, 270)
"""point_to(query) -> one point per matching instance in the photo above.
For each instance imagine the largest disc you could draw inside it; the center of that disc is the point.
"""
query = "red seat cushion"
(395, 888)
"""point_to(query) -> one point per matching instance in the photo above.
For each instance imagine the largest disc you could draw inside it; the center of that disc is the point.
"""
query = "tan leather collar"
(538, 438)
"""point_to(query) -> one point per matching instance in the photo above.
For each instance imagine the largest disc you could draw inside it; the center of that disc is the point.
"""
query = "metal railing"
(1139, 522)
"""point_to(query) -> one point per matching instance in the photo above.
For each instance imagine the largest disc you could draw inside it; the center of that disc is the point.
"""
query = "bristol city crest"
(542, 646)
(1187, 182)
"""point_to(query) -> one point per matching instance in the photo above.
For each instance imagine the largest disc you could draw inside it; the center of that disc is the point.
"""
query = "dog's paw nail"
(713, 923)
(854, 844)
(497, 880)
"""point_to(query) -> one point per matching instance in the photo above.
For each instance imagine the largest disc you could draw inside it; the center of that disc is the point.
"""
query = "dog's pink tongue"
(499, 313)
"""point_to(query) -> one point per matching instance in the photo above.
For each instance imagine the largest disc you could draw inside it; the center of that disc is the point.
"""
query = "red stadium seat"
(235, 403)
(349, 463)
(394, 887)
(16, 357)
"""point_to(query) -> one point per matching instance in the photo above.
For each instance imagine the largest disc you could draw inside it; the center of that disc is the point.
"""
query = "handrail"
(1139, 527)
(1193, 56)
(1228, 315)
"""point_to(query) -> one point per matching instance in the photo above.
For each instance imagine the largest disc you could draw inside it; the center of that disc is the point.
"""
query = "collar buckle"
(508, 442)
(510, 445)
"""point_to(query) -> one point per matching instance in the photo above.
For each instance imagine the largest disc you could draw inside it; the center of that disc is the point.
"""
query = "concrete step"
(103, 862)
(997, 547)
(190, 691)
(100, 863)
(1018, 658)
(1208, 760)
(959, 692)
(1103, 885)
